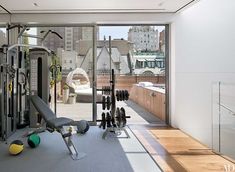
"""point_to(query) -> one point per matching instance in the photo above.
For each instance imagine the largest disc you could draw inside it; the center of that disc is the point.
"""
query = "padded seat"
(47, 114)
(59, 122)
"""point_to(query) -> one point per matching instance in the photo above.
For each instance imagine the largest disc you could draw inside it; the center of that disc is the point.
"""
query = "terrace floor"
(79, 111)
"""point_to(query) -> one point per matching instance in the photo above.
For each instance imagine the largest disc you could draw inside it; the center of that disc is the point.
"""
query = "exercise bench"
(57, 124)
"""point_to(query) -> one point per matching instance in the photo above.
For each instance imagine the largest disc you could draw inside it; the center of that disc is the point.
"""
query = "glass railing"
(223, 117)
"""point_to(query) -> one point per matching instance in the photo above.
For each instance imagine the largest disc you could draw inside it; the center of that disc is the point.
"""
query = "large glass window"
(136, 53)
(138, 58)
(73, 56)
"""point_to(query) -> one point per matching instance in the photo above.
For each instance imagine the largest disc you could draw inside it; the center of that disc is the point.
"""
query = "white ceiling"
(61, 6)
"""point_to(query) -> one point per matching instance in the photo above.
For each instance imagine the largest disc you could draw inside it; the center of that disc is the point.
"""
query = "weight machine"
(15, 89)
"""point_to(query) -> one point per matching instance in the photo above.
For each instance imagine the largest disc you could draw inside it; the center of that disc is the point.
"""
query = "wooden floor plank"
(168, 133)
(203, 163)
(164, 163)
(176, 151)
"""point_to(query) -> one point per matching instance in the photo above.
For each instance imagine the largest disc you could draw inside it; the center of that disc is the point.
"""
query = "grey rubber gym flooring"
(109, 155)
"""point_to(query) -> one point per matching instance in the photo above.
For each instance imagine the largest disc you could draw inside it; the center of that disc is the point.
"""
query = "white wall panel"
(204, 53)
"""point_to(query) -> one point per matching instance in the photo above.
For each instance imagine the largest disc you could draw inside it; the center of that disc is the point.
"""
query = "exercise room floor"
(171, 149)
(174, 151)
(109, 155)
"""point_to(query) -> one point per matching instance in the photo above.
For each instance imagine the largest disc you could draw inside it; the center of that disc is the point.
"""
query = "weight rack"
(115, 120)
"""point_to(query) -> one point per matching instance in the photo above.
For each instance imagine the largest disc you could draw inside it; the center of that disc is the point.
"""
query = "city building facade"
(2, 38)
(68, 60)
(144, 38)
(148, 63)
(162, 41)
(71, 36)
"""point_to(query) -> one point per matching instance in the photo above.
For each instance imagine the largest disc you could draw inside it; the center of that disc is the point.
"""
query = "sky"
(116, 32)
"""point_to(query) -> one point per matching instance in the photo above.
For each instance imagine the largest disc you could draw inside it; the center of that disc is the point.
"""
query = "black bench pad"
(48, 115)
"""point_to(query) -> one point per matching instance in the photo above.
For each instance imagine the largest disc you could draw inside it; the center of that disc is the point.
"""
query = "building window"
(151, 64)
(71, 61)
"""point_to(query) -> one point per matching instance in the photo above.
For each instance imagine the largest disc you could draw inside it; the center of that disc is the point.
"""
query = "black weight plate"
(118, 117)
(126, 95)
(122, 95)
(108, 102)
(103, 122)
(107, 90)
(108, 119)
(102, 90)
(103, 103)
(114, 121)
(123, 116)
(117, 95)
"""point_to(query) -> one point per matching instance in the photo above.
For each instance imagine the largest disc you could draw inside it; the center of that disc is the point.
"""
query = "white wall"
(203, 51)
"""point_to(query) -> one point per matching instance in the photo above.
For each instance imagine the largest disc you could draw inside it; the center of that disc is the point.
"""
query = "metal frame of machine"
(14, 97)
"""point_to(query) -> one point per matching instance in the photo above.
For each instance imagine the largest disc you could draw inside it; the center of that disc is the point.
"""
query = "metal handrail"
(230, 110)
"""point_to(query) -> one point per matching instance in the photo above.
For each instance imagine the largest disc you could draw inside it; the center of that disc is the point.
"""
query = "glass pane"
(138, 59)
(224, 118)
(71, 66)
(3, 39)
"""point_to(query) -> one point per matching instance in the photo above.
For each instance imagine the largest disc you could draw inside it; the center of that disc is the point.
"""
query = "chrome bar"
(225, 107)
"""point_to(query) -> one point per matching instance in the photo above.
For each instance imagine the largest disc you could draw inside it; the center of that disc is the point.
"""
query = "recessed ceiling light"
(162, 2)
(35, 4)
